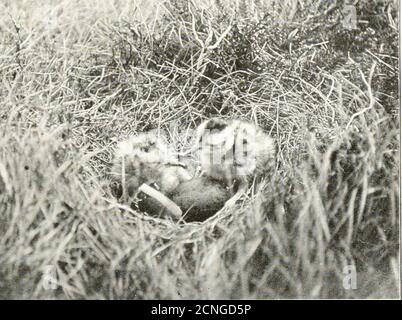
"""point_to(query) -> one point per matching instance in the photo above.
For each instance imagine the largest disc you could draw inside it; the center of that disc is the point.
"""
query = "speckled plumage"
(147, 158)
(234, 151)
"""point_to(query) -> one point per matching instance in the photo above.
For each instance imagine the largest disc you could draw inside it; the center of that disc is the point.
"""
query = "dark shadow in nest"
(199, 199)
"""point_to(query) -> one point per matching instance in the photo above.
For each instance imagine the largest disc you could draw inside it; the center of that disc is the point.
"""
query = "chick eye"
(145, 149)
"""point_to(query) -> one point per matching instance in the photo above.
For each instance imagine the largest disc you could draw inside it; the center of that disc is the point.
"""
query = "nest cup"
(200, 198)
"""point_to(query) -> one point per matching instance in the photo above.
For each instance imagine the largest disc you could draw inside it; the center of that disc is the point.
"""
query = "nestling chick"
(147, 158)
(234, 151)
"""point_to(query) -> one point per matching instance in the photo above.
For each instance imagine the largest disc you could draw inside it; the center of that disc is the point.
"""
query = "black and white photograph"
(200, 150)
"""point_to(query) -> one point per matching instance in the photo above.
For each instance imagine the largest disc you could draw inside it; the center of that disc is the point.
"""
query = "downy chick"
(234, 151)
(147, 158)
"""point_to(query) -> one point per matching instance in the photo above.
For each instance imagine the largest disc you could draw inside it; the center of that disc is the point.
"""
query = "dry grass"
(77, 76)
